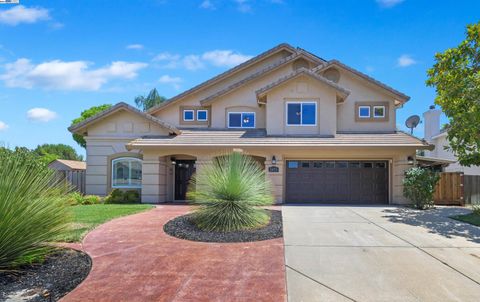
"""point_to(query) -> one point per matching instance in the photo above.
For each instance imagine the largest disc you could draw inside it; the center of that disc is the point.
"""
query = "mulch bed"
(183, 227)
(49, 281)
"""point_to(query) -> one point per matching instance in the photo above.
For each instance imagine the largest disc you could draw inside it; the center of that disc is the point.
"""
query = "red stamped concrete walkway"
(134, 260)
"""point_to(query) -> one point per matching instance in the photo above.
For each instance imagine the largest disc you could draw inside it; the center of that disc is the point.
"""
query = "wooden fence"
(450, 189)
(75, 178)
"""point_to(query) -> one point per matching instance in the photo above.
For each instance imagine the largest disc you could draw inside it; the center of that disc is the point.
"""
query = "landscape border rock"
(183, 227)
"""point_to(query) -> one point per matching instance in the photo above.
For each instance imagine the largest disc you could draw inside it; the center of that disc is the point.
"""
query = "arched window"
(127, 172)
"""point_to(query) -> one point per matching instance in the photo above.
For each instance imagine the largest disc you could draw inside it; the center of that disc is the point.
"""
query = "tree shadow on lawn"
(436, 221)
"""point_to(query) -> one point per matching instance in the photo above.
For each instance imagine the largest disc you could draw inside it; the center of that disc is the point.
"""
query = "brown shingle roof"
(115, 108)
(258, 138)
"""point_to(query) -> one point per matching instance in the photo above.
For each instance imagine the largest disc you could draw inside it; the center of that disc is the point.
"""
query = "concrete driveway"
(380, 254)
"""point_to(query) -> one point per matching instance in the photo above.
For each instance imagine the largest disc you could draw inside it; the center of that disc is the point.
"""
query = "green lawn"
(87, 217)
(471, 218)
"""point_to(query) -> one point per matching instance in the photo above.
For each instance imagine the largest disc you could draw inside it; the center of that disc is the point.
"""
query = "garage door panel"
(337, 181)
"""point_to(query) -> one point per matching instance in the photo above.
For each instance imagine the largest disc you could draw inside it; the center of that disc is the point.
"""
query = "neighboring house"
(323, 131)
(438, 137)
(73, 171)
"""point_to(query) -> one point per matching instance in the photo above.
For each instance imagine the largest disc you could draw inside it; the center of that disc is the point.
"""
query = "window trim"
(129, 167)
(206, 115)
(360, 107)
(384, 111)
(301, 113)
(241, 120)
(193, 115)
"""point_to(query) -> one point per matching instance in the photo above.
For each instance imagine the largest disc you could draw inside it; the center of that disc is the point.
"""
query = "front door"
(184, 170)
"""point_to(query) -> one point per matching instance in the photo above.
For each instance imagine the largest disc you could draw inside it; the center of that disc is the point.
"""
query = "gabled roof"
(302, 71)
(209, 99)
(117, 107)
(402, 98)
(215, 138)
(216, 79)
(72, 164)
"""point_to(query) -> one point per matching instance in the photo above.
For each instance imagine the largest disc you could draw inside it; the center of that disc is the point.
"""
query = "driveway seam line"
(320, 283)
(419, 248)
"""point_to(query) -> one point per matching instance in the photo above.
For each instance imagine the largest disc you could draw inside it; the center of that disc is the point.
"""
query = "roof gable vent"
(332, 74)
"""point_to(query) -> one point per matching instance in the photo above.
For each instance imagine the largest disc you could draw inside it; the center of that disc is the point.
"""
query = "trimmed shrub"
(33, 208)
(227, 193)
(119, 196)
(419, 186)
(76, 198)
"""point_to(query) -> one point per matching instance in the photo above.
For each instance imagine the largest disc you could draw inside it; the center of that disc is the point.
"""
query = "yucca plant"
(33, 208)
(228, 193)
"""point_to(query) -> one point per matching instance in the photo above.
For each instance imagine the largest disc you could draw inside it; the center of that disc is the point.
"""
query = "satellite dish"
(412, 122)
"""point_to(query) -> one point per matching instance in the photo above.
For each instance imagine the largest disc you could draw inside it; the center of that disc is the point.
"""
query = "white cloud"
(207, 4)
(135, 46)
(219, 58)
(41, 115)
(243, 6)
(61, 75)
(192, 62)
(21, 14)
(389, 3)
(174, 81)
(224, 58)
(3, 126)
(405, 61)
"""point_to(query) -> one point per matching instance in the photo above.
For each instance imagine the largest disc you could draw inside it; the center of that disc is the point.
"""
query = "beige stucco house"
(323, 131)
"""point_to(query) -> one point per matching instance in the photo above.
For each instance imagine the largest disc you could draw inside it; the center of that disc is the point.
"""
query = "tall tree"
(151, 100)
(456, 78)
(83, 116)
(50, 152)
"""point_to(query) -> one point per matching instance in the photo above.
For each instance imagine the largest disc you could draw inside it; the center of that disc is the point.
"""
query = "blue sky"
(58, 58)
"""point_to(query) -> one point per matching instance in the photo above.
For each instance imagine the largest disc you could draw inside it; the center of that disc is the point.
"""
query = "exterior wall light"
(274, 160)
(173, 161)
(410, 160)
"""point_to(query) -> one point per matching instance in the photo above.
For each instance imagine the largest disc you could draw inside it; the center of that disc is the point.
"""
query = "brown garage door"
(337, 181)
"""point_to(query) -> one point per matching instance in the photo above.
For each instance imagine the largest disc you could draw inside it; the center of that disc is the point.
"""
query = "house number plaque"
(273, 169)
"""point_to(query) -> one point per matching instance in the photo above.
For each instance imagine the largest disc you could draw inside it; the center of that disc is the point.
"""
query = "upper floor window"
(202, 115)
(378, 111)
(301, 113)
(188, 115)
(241, 120)
(364, 111)
(127, 172)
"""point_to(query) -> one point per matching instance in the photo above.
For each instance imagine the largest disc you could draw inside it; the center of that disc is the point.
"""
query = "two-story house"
(323, 131)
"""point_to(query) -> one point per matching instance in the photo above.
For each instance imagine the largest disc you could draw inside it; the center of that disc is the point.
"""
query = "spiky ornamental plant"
(33, 209)
(228, 193)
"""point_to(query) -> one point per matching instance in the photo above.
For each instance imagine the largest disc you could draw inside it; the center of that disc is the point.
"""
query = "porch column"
(276, 178)
(153, 179)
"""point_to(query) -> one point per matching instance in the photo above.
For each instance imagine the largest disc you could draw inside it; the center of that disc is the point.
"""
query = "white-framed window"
(127, 172)
(364, 111)
(301, 113)
(188, 115)
(241, 120)
(378, 111)
(202, 115)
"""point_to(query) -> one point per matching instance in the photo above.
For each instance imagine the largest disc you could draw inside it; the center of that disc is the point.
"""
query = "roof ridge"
(118, 106)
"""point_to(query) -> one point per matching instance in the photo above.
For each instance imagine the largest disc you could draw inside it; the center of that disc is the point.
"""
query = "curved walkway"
(134, 260)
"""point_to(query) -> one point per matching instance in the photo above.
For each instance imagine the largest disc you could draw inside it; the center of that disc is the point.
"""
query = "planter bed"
(183, 227)
(49, 281)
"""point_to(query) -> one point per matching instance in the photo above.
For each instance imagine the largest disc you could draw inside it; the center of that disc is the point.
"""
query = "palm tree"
(152, 99)
(228, 193)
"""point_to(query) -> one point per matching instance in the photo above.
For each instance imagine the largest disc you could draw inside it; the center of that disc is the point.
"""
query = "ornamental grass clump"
(33, 209)
(228, 193)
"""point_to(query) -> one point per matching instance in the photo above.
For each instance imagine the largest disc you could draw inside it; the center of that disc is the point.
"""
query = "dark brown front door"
(184, 170)
(347, 182)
